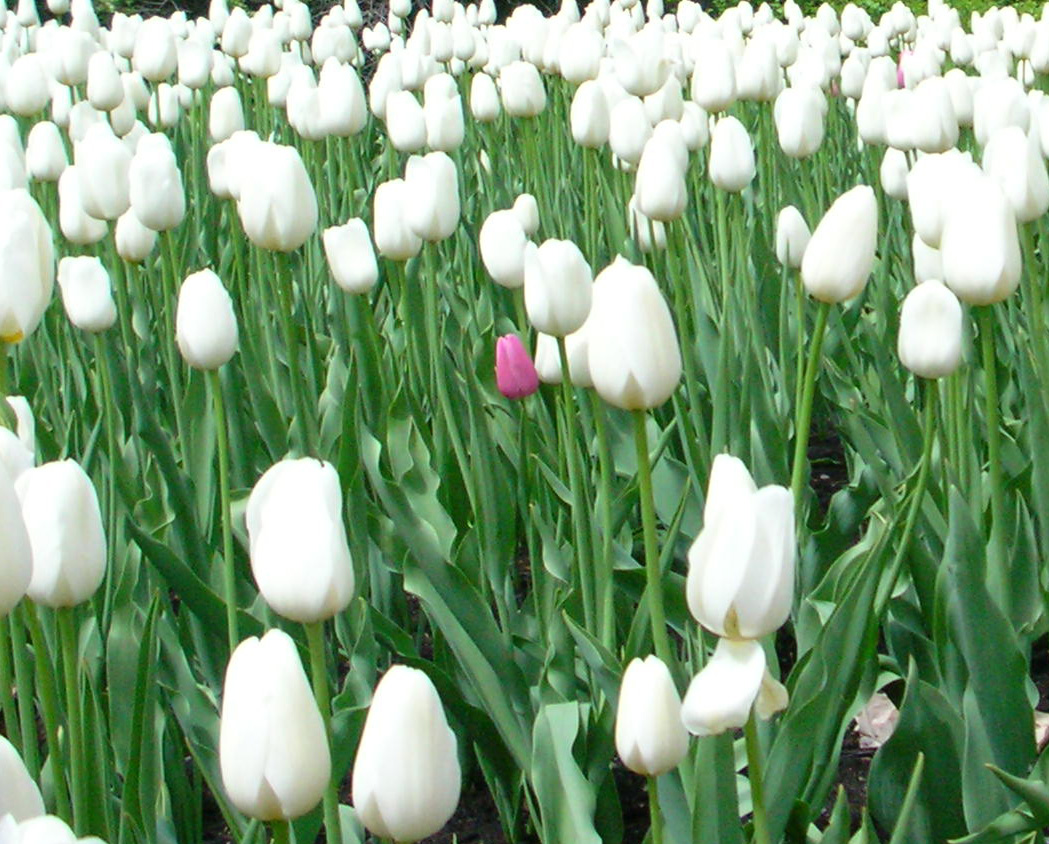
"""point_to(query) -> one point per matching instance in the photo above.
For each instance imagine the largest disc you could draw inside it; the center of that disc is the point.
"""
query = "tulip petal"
(720, 696)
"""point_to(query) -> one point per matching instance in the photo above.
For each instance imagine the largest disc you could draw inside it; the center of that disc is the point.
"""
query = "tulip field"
(623, 406)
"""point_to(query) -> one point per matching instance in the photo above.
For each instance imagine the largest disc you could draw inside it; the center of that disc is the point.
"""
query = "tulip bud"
(648, 233)
(589, 116)
(502, 243)
(27, 265)
(650, 738)
(295, 511)
(792, 237)
(660, 191)
(20, 797)
(935, 184)
(557, 285)
(484, 99)
(928, 263)
(104, 90)
(731, 163)
(87, 293)
(980, 245)
(444, 119)
(579, 53)
(77, 227)
(16, 559)
(45, 152)
(741, 566)
(432, 183)
(133, 240)
(155, 182)
(515, 374)
(394, 238)
(102, 164)
(341, 99)
(629, 129)
(893, 173)
(714, 76)
(522, 90)
(205, 325)
(278, 208)
(18, 447)
(406, 776)
(26, 89)
(799, 122)
(527, 211)
(930, 339)
(225, 114)
(156, 55)
(348, 249)
(547, 359)
(273, 751)
(64, 523)
(640, 62)
(829, 273)
(734, 681)
(635, 360)
(1015, 161)
(405, 122)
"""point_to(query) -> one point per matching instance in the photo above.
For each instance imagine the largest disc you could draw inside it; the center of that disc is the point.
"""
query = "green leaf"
(566, 799)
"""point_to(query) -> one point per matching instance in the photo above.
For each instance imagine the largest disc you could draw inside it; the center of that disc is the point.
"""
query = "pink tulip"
(900, 81)
(515, 374)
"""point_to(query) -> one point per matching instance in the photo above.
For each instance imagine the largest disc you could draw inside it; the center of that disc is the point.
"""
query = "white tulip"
(650, 738)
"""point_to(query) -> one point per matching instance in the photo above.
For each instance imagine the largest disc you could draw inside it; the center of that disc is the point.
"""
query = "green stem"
(174, 361)
(280, 832)
(803, 412)
(996, 565)
(319, 675)
(607, 621)
(24, 681)
(75, 746)
(757, 784)
(12, 723)
(229, 574)
(102, 364)
(285, 293)
(654, 575)
(654, 811)
(7, 414)
(45, 677)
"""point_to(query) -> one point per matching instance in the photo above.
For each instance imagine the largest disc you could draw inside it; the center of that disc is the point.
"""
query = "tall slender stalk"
(653, 573)
(997, 576)
(755, 774)
(654, 812)
(229, 574)
(606, 591)
(319, 676)
(803, 412)
(74, 722)
(7, 414)
(12, 723)
(26, 686)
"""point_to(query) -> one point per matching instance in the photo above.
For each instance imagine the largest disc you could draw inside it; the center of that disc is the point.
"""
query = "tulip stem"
(78, 783)
(803, 412)
(996, 573)
(757, 784)
(12, 723)
(280, 832)
(102, 364)
(24, 682)
(7, 414)
(654, 811)
(653, 573)
(322, 693)
(607, 591)
(169, 274)
(286, 304)
(229, 574)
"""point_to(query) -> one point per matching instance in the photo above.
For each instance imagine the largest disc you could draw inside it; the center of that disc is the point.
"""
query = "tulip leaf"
(566, 799)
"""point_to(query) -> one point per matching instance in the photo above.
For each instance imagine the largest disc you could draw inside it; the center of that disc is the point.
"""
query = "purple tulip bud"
(515, 373)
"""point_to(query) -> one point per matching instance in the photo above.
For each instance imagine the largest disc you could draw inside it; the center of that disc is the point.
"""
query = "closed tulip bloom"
(26, 87)
(273, 751)
(589, 116)
(557, 287)
(155, 183)
(45, 154)
(484, 99)
(351, 257)
(104, 90)
(278, 209)
(164, 108)
(829, 273)
(734, 681)
(515, 374)
(635, 360)
(936, 125)
(406, 777)
(799, 122)
(444, 122)
(650, 738)
(156, 55)
(194, 64)
(980, 246)
(792, 237)
(20, 797)
(87, 293)
(579, 53)
(695, 126)
(928, 262)
(432, 185)
(893, 173)
(76, 225)
(18, 447)
(521, 89)
(134, 241)
(501, 243)
(935, 184)
(660, 192)
(225, 114)
(27, 265)
(205, 325)
(547, 359)
(394, 238)
(102, 164)
(930, 338)
(650, 234)
(998, 103)
(16, 557)
(69, 55)
(731, 163)
(341, 97)
(714, 76)
(527, 211)
(640, 62)
(405, 122)
(236, 34)
(295, 514)
(1014, 160)
(741, 566)
(64, 523)
(628, 129)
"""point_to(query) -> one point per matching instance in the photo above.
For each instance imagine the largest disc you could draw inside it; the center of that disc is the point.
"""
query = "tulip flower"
(225, 115)
(650, 234)
(155, 183)
(64, 523)
(589, 115)
(522, 90)
(640, 62)
(18, 445)
(205, 325)
(394, 239)
(928, 262)
(104, 90)
(405, 122)
(41, 829)
(156, 54)
(660, 192)
(557, 287)
(930, 338)
(714, 77)
(515, 374)
(295, 513)
(134, 241)
(277, 206)
(273, 752)
(87, 293)
(16, 559)
(1014, 160)
(650, 738)
(799, 121)
(351, 257)
(45, 152)
(406, 777)
(432, 186)
(102, 162)
(502, 243)
(27, 265)
(484, 99)
(443, 116)
(527, 211)
(829, 274)
(893, 173)
(341, 99)
(26, 87)
(628, 129)
(20, 797)
(792, 237)
(731, 162)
